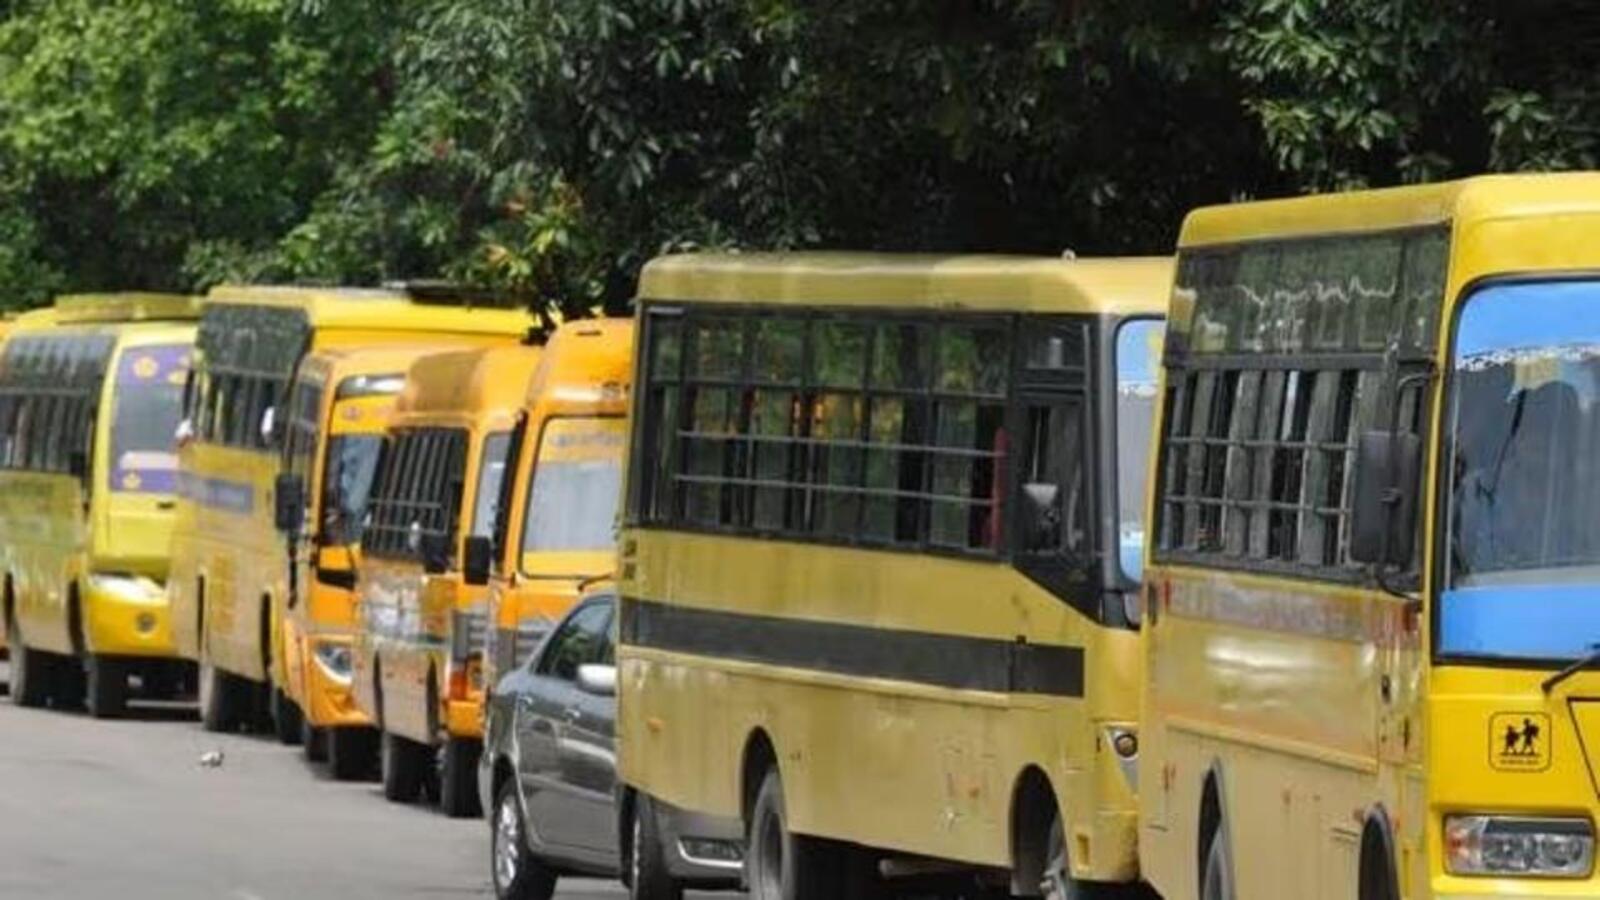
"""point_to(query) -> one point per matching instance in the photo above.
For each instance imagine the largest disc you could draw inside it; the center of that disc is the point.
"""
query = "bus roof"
(1465, 202)
(988, 283)
(338, 363)
(379, 309)
(76, 309)
(585, 361)
(463, 383)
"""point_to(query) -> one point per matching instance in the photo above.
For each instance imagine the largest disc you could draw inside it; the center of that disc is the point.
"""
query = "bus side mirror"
(288, 502)
(475, 557)
(435, 553)
(1383, 525)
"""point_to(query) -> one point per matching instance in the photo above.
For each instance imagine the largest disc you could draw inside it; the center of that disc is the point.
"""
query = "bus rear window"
(149, 403)
(577, 481)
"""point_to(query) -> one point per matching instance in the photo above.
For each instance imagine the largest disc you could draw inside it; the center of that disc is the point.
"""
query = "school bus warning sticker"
(1519, 741)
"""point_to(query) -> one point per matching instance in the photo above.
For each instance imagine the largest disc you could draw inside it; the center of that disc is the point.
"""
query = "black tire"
(32, 672)
(313, 741)
(1216, 881)
(107, 686)
(458, 779)
(257, 706)
(286, 719)
(68, 682)
(513, 869)
(219, 699)
(352, 753)
(648, 878)
(405, 767)
(782, 865)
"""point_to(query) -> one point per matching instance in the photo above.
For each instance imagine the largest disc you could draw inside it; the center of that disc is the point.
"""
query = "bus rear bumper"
(127, 615)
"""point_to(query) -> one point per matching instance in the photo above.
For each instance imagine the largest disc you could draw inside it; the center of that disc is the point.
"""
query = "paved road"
(92, 810)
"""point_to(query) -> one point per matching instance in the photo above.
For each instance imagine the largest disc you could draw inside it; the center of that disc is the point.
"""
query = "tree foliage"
(549, 147)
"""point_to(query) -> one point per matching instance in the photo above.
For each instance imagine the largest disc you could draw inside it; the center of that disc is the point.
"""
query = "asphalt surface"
(125, 810)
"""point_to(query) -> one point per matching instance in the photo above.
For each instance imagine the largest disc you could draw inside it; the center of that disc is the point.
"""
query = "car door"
(588, 759)
(542, 723)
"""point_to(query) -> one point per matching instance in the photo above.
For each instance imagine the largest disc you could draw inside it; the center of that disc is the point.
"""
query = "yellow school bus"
(339, 402)
(90, 394)
(1370, 621)
(877, 570)
(229, 562)
(555, 529)
(419, 651)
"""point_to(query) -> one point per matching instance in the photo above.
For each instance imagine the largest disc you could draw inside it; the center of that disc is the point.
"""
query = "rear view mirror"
(1383, 525)
(435, 553)
(289, 502)
(475, 558)
(598, 679)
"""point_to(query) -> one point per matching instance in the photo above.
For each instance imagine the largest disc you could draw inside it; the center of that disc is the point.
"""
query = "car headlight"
(1514, 845)
(334, 659)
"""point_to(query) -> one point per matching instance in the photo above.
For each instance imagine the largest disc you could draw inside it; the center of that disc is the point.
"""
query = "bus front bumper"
(127, 615)
(330, 702)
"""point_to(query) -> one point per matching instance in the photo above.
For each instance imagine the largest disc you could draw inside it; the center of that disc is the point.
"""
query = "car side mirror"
(78, 464)
(597, 679)
(1041, 505)
(476, 554)
(289, 502)
(435, 553)
(1383, 520)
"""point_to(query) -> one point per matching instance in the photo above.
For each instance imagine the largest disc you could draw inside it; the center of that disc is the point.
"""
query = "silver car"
(548, 776)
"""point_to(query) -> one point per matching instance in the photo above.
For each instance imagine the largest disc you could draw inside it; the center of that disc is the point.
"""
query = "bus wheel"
(313, 741)
(647, 862)
(351, 753)
(1216, 882)
(518, 874)
(219, 699)
(31, 672)
(782, 865)
(458, 787)
(107, 686)
(286, 719)
(404, 765)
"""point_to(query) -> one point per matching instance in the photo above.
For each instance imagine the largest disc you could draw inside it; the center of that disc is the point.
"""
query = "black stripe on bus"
(939, 660)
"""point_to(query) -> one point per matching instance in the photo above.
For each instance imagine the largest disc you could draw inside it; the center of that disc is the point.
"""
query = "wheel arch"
(1034, 803)
(1213, 819)
(1378, 873)
(759, 755)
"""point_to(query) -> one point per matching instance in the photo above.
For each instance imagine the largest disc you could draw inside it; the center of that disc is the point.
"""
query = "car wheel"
(286, 719)
(517, 873)
(458, 788)
(31, 672)
(404, 764)
(648, 878)
(1216, 883)
(107, 686)
(352, 753)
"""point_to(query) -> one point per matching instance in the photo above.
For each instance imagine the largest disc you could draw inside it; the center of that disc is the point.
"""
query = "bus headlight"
(335, 660)
(1516, 845)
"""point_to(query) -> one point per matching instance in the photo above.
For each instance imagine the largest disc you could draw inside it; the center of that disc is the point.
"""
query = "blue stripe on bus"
(1557, 622)
(218, 493)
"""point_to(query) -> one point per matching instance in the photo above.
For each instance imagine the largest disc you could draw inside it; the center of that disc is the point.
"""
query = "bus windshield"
(149, 402)
(347, 485)
(1524, 461)
(1138, 357)
(577, 481)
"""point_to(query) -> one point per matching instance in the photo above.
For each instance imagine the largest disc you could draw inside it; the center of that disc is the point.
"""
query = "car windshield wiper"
(1578, 665)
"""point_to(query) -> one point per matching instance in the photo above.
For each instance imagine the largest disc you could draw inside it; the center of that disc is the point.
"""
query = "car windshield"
(1523, 531)
(352, 463)
(149, 403)
(1138, 356)
(577, 481)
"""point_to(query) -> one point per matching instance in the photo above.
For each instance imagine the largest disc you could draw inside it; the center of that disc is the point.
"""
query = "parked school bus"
(1371, 590)
(339, 402)
(89, 395)
(230, 564)
(419, 651)
(556, 524)
(877, 567)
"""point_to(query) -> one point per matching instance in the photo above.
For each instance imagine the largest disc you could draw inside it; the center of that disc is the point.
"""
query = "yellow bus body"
(1306, 714)
(928, 704)
(575, 410)
(86, 557)
(230, 564)
(354, 394)
(418, 650)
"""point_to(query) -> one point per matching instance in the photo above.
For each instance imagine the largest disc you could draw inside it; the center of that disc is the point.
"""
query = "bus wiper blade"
(1573, 668)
